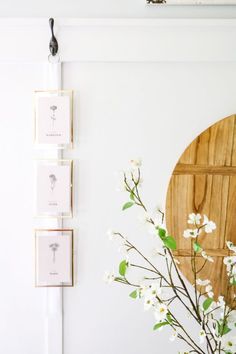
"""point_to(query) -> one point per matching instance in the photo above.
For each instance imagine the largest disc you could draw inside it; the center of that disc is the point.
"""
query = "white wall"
(109, 9)
(21, 306)
(125, 110)
(150, 106)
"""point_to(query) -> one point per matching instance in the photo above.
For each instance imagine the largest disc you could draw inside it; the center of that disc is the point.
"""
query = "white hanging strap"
(53, 76)
(53, 296)
(54, 321)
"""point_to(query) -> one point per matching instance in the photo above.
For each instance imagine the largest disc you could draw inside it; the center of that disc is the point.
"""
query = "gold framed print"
(54, 260)
(54, 119)
(54, 188)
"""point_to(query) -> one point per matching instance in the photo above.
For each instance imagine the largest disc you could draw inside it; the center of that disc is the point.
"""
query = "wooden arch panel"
(204, 181)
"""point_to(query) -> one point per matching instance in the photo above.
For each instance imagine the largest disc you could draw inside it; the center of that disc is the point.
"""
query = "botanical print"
(53, 119)
(53, 180)
(192, 2)
(54, 247)
(160, 285)
(53, 258)
(53, 189)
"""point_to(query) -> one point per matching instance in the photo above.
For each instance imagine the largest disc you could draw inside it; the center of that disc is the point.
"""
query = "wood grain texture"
(204, 181)
(186, 169)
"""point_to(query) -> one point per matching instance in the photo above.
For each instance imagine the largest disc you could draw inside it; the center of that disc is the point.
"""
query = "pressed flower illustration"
(54, 247)
(53, 180)
(53, 116)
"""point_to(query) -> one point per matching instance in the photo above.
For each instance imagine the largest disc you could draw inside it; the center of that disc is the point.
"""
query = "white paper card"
(54, 261)
(53, 189)
(53, 116)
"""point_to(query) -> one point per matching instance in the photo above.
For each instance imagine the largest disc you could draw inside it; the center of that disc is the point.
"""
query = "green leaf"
(161, 233)
(159, 325)
(169, 318)
(170, 242)
(123, 268)
(119, 279)
(226, 330)
(233, 283)
(134, 294)
(223, 328)
(207, 303)
(197, 248)
(132, 195)
(127, 205)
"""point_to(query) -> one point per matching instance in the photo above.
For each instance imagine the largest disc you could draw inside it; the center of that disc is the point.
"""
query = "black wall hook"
(156, 1)
(53, 44)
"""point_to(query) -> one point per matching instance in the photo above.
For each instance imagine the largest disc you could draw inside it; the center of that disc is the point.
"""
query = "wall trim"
(121, 40)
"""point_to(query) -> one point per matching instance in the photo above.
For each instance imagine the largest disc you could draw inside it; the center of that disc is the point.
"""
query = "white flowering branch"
(160, 290)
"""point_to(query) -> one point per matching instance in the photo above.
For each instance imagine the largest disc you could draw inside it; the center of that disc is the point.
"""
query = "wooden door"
(204, 181)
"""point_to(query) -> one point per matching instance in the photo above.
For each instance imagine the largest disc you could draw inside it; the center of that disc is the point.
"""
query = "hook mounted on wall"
(53, 44)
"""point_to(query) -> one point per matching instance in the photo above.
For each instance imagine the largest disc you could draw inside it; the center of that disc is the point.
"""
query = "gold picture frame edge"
(72, 258)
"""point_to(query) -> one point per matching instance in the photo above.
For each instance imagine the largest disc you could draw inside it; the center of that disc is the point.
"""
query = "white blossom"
(231, 246)
(174, 336)
(148, 303)
(209, 291)
(205, 256)
(221, 302)
(176, 261)
(203, 282)
(136, 163)
(202, 336)
(111, 234)
(160, 312)
(194, 219)
(109, 277)
(209, 226)
(210, 294)
(229, 343)
(142, 290)
(230, 263)
(231, 320)
(230, 260)
(153, 290)
(191, 233)
(208, 288)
